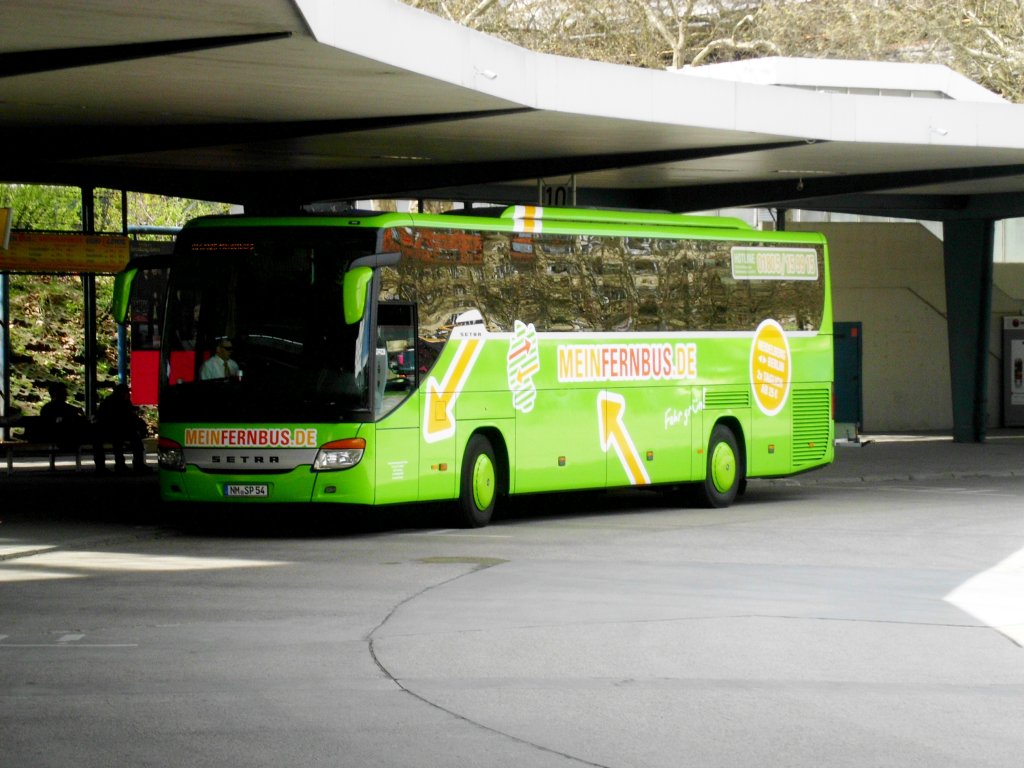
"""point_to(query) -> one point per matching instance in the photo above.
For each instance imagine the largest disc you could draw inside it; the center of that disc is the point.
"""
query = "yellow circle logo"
(770, 367)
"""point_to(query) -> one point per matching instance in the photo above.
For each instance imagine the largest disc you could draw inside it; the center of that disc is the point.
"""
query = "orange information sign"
(65, 252)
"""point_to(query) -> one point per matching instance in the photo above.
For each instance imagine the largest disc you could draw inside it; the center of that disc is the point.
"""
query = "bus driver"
(220, 365)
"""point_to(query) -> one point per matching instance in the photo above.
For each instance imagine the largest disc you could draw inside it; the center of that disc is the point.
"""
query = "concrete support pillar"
(967, 252)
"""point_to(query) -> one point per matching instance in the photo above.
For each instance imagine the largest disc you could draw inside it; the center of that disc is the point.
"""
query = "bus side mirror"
(354, 293)
(122, 295)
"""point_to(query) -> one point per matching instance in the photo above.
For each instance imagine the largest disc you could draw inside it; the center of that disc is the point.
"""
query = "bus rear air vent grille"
(811, 422)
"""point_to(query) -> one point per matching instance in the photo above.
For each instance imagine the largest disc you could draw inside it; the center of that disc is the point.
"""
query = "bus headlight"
(170, 455)
(339, 454)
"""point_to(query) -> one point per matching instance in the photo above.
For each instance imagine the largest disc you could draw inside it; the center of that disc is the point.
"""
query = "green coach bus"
(383, 358)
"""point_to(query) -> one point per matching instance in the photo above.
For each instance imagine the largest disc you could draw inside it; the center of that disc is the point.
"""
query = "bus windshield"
(255, 328)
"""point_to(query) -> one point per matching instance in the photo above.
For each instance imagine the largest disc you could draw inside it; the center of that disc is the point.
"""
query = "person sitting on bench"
(117, 423)
(59, 422)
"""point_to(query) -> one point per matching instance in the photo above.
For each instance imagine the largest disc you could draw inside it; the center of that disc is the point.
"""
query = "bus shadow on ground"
(299, 520)
(325, 520)
(135, 501)
(682, 499)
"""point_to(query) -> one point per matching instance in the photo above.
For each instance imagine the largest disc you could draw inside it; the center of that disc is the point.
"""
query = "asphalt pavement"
(863, 614)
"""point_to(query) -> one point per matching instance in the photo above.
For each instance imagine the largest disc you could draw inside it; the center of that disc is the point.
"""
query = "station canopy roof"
(274, 103)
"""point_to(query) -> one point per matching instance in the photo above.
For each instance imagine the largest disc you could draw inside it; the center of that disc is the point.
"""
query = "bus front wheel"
(725, 471)
(478, 488)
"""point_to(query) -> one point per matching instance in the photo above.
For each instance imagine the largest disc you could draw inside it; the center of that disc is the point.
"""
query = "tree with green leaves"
(47, 311)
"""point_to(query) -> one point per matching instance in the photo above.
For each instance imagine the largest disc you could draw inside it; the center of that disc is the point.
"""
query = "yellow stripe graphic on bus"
(611, 408)
(439, 415)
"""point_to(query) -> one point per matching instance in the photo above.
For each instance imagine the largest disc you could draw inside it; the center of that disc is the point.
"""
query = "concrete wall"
(890, 277)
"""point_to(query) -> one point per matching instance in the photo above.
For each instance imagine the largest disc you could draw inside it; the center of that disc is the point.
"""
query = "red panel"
(145, 376)
(145, 373)
(183, 366)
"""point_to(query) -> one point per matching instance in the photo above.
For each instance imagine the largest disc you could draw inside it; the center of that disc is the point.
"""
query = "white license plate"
(250, 490)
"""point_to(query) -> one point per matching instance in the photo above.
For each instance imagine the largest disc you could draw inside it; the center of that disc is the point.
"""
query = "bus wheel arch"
(484, 478)
(725, 476)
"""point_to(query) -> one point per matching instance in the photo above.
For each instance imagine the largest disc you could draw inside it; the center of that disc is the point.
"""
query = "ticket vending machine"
(1013, 371)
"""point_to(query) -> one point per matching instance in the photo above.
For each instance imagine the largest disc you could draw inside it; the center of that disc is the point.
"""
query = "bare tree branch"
(981, 39)
(730, 44)
(480, 9)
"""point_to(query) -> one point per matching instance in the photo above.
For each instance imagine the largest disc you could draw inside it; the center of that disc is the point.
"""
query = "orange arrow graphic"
(611, 408)
(439, 415)
(522, 350)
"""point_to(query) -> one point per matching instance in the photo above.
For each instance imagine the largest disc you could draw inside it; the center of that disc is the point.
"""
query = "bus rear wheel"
(478, 488)
(725, 470)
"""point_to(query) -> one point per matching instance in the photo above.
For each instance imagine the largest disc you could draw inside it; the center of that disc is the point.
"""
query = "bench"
(18, 446)
(15, 447)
